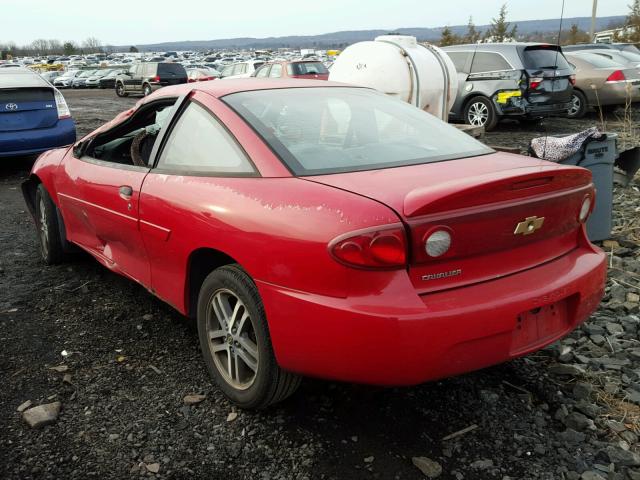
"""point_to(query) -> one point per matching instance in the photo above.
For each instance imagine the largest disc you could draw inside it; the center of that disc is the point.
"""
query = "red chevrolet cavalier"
(319, 229)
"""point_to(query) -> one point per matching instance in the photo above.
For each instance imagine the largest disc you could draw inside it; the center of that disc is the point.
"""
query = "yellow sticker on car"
(504, 96)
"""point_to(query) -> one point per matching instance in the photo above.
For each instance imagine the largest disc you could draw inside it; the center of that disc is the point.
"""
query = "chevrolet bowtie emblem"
(529, 225)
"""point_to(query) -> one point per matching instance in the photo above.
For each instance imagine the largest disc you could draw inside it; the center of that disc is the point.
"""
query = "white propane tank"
(398, 65)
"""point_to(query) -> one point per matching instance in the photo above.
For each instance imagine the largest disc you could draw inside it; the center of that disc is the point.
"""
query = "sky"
(130, 22)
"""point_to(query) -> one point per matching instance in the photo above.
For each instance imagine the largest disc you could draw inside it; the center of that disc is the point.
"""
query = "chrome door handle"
(125, 192)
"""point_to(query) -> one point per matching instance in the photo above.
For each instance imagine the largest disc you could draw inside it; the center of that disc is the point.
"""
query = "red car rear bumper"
(395, 337)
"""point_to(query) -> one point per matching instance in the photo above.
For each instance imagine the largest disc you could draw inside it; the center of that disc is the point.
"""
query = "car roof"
(21, 78)
(220, 88)
(498, 46)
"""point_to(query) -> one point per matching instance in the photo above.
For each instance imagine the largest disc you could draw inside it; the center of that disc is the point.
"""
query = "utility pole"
(593, 19)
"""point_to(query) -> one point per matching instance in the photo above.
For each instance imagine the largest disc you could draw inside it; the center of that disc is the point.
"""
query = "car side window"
(149, 70)
(276, 70)
(488, 62)
(198, 143)
(133, 70)
(227, 71)
(263, 71)
(459, 60)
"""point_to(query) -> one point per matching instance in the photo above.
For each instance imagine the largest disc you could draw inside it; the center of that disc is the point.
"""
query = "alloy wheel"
(576, 105)
(44, 230)
(478, 114)
(232, 339)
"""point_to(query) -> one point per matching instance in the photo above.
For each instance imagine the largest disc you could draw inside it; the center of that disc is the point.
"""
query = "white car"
(50, 76)
(240, 70)
(66, 79)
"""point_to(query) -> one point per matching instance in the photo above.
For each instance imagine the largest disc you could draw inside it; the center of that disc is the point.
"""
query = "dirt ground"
(132, 359)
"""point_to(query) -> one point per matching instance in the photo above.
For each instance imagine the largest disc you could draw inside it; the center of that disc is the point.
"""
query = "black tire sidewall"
(55, 252)
(492, 119)
(146, 90)
(120, 90)
(235, 279)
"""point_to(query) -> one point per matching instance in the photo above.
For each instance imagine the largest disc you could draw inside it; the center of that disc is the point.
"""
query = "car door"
(99, 201)
(188, 196)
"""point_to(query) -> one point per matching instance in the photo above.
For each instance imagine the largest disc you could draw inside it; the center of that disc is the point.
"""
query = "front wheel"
(120, 91)
(51, 247)
(578, 105)
(480, 112)
(235, 342)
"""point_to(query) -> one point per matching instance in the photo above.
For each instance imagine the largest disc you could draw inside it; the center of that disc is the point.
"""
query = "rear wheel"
(146, 90)
(235, 342)
(480, 113)
(120, 91)
(51, 247)
(578, 105)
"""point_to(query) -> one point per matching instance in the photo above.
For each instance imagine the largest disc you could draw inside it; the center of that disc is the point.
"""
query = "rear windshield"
(306, 68)
(544, 57)
(174, 68)
(24, 95)
(598, 61)
(340, 129)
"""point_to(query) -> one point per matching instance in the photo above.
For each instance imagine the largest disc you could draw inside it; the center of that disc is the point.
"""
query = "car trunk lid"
(549, 74)
(27, 109)
(487, 211)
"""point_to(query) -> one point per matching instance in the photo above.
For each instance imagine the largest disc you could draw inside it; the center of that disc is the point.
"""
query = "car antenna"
(555, 74)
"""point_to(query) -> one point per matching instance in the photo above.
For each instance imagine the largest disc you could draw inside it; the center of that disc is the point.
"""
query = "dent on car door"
(99, 200)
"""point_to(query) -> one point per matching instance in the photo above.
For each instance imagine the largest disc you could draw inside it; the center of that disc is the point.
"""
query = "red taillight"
(535, 82)
(378, 247)
(617, 76)
(156, 78)
(572, 79)
(190, 80)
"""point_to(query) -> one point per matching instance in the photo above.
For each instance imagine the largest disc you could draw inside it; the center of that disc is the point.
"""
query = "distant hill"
(341, 39)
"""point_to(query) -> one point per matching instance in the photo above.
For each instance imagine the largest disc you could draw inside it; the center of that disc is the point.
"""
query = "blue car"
(34, 115)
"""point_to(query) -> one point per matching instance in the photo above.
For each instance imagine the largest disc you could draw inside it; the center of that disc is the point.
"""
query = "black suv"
(527, 81)
(145, 78)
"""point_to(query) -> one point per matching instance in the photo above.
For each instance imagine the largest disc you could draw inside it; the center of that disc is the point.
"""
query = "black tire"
(120, 91)
(578, 105)
(477, 106)
(270, 384)
(49, 235)
(146, 90)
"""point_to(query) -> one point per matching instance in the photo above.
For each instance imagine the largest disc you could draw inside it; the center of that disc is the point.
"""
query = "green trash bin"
(599, 157)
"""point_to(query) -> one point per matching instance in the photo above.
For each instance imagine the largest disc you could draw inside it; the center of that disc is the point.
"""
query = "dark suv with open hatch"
(527, 81)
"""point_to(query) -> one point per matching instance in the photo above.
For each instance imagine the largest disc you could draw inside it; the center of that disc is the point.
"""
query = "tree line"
(500, 30)
(42, 47)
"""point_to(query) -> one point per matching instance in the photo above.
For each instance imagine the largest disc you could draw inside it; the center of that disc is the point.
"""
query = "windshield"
(542, 57)
(307, 68)
(335, 129)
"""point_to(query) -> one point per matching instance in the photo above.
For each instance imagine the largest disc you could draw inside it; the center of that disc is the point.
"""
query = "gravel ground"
(568, 412)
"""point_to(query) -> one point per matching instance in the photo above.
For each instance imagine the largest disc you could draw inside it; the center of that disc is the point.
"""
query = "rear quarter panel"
(277, 229)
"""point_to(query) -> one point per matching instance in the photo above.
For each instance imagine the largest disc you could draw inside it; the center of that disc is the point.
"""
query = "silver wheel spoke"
(248, 346)
(215, 334)
(221, 347)
(229, 366)
(241, 322)
(234, 315)
(247, 360)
